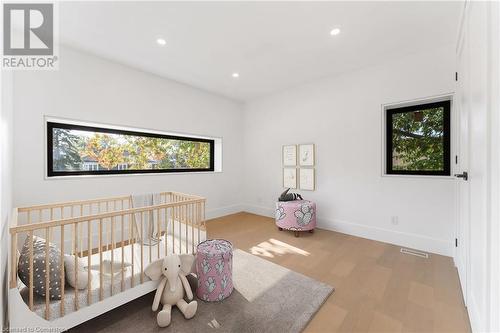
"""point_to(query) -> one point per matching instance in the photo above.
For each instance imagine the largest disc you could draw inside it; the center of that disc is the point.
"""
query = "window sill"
(418, 176)
(131, 175)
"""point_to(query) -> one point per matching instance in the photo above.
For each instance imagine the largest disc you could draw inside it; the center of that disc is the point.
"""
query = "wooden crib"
(99, 230)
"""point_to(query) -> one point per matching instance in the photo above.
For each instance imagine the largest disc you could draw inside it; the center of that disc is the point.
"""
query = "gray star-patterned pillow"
(39, 267)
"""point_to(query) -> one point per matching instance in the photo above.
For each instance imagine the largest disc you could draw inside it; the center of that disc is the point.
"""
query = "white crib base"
(21, 318)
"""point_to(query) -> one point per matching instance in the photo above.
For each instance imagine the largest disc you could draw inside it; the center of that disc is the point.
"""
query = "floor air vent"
(414, 253)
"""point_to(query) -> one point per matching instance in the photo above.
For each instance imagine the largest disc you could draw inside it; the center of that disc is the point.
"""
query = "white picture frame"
(306, 154)
(289, 155)
(290, 178)
(307, 181)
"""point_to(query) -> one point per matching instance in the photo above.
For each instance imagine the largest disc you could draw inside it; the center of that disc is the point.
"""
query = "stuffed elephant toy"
(171, 271)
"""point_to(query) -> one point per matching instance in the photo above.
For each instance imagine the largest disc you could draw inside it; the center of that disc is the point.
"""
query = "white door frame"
(494, 174)
(462, 231)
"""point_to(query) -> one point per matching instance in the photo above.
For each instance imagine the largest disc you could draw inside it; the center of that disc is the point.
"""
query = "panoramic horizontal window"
(86, 150)
(418, 139)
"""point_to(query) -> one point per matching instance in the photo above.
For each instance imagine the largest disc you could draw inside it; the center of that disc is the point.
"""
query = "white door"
(462, 111)
(477, 106)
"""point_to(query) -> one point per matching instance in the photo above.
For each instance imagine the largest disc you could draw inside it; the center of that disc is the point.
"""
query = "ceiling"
(272, 45)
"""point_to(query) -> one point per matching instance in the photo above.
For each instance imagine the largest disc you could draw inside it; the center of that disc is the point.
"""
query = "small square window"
(418, 139)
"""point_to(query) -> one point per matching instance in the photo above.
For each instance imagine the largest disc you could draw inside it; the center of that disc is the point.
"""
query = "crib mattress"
(113, 285)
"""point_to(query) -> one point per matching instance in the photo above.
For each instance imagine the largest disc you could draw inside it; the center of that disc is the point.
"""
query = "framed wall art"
(307, 180)
(306, 154)
(289, 153)
(289, 177)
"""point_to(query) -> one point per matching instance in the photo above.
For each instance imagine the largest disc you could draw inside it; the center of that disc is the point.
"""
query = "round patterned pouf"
(214, 267)
(297, 215)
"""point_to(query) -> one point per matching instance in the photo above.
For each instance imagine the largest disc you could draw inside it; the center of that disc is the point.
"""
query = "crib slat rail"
(56, 223)
(13, 250)
(131, 228)
(31, 270)
(112, 225)
(186, 210)
(174, 217)
(69, 204)
(47, 273)
(112, 228)
(167, 216)
(150, 218)
(89, 260)
(122, 220)
(100, 262)
(75, 254)
(142, 249)
(62, 277)
(158, 226)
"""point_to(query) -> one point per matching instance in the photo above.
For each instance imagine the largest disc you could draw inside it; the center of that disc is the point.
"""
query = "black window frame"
(391, 111)
(50, 165)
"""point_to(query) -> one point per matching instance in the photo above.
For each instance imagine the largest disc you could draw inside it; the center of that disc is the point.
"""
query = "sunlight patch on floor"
(273, 247)
(264, 277)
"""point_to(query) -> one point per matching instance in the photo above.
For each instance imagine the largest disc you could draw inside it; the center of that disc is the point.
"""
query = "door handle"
(463, 175)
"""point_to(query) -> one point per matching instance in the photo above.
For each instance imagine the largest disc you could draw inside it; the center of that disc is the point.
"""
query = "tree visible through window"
(418, 139)
(83, 150)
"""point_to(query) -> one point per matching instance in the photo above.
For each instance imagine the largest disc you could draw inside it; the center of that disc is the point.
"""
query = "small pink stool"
(297, 215)
(214, 267)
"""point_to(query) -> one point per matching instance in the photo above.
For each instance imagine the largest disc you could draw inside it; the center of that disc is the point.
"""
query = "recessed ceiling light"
(235, 75)
(335, 31)
(161, 41)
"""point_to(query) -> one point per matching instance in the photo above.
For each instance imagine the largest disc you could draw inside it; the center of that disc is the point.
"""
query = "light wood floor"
(377, 289)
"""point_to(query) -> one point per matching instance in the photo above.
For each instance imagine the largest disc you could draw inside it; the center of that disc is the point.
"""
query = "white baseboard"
(222, 211)
(258, 210)
(414, 241)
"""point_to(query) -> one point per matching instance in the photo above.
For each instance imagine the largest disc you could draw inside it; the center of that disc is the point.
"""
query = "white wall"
(93, 89)
(342, 116)
(6, 155)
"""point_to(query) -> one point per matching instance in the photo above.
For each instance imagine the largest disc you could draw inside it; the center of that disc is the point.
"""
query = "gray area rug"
(266, 298)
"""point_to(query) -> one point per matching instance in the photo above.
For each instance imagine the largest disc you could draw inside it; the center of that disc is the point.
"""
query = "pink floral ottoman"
(214, 266)
(298, 215)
